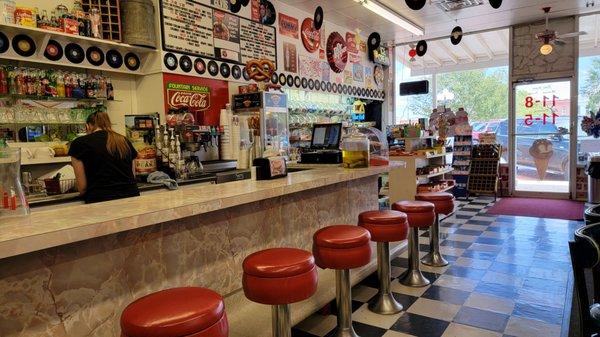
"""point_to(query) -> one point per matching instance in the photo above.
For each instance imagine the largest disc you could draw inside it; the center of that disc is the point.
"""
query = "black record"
(225, 70)
(95, 56)
(329, 86)
(185, 63)
(4, 43)
(416, 5)
(496, 3)
(311, 84)
(372, 93)
(200, 66)
(24, 45)
(318, 18)
(290, 81)
(213, 68)
(456, 36)
(170, 61)
(269, 20)
(323, 85)
(236, 72)
(297, 81)
(275, 78)
(281, 79)
(334, 88)
(374, 41)
(340, 88)
(132, 61)
(304, 83)
(421, 48)
(244, 2)
(114, 58)
(53, 51)
(235, 5)
(74, 53)
(318, 85)
(245, 74)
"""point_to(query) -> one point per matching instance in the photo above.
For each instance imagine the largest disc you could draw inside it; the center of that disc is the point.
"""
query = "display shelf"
(52, 98)
(54, 160)
(42, 123)
(432, 175)
(42, 33)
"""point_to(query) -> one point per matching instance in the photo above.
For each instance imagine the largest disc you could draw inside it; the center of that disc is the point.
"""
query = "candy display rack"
(463, 144)
(484, 170)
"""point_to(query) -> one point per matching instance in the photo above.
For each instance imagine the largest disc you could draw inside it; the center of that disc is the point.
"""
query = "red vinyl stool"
(385, 227)
(279, 277)
(421, 214)
(177, 312)
(444, 204)
(342, 248)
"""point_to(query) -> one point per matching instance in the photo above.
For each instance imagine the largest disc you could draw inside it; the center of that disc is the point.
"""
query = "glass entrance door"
(541, 138)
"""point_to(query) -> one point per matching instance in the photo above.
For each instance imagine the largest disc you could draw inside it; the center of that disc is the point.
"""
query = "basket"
(54, 187)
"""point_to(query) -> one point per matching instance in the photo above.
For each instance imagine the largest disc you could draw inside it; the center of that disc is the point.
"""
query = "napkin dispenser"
(270, 168)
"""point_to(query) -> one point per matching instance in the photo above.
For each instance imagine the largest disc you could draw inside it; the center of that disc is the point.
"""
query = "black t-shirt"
(108, 177)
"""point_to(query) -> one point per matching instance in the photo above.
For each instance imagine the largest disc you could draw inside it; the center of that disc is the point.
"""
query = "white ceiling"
(435, 21)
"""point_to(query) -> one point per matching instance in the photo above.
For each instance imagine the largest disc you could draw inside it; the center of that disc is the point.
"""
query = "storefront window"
(589, 101)
(411, 108)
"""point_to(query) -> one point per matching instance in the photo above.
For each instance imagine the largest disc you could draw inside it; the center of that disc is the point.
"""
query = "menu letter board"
(192, 28)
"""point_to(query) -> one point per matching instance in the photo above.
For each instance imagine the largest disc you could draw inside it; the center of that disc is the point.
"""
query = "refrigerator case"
(141, 134)
(267, 111)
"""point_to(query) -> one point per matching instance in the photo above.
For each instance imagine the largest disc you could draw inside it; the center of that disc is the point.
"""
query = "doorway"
(540, 138)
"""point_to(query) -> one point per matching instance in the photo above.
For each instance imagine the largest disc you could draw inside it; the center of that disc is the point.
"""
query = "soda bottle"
(68, 86)
(3, 81)
(12, 82)
(110, 91)
(60, 85)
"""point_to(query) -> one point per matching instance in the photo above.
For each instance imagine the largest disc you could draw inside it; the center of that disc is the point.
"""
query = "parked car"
(484, 127)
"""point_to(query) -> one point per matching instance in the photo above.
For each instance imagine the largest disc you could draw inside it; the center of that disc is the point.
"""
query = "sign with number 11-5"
(529, 120)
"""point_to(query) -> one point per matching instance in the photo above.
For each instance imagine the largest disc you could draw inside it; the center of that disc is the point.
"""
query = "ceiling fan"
(550, 37)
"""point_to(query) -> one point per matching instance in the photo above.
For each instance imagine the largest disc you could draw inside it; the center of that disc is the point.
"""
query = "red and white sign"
(337, 52)
(288, 26)
(351, 43)
(311, 38)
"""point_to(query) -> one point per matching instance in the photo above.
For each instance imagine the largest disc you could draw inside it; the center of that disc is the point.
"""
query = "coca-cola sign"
(193, 97)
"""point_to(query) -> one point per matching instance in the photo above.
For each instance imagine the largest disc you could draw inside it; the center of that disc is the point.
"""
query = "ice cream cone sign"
(541, 150)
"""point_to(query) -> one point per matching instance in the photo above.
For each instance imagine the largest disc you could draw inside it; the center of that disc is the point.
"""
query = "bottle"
(60, 86)
(102, 87)
(3, 81)
(12, 82)
(88, 25)
(110, 93)
(81, 20)
(68, 86)
(165, 146)
(95, 20)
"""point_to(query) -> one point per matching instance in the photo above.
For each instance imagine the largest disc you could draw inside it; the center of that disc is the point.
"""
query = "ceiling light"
(391, 16)
(546, 49)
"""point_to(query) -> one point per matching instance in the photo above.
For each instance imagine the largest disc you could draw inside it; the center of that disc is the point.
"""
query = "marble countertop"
(67, 224)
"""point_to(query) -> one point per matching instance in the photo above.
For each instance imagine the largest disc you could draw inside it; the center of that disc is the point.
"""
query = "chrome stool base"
(413, 276)
(384, 302)
(282, 326)
(434, 258)
(344, 304)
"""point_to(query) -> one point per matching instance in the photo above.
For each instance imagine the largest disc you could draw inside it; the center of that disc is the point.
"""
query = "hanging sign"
(288, 26)
(193, 97)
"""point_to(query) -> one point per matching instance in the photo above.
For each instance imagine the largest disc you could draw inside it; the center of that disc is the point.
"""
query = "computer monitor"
(326, 136)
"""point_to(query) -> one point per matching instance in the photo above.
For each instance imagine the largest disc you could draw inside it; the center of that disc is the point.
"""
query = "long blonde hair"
(116, 144)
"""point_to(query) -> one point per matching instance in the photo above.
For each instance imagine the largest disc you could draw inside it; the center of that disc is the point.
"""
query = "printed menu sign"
(192, 28)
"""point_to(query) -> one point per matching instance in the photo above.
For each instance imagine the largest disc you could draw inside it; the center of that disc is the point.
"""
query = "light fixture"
(391, 16)
(546, 48)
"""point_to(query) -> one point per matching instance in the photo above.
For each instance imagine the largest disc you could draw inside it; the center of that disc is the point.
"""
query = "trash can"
(593, 171)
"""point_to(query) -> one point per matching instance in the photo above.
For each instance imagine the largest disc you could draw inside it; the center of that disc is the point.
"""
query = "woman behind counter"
(103, 162)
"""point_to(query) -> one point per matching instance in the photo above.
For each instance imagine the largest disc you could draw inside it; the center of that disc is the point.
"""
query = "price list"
(257, 41)
(188, 27)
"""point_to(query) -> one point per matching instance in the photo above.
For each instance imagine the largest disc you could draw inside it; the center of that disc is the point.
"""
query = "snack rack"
(110, 17)
(463, 146)
(484, 170)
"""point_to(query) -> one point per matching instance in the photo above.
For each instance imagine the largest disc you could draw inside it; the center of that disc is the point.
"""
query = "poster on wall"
(348, 77)
(337, 54)
(351, 43)
(369, 77)
(192, 28)
(290, 54)
(325, 72)
(191, 97)
(310, 67)
(263, 11)
(288, 26)
(311, 38)
(358, 72)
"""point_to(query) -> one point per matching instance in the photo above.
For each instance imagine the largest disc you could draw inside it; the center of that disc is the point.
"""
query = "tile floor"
(508, 276)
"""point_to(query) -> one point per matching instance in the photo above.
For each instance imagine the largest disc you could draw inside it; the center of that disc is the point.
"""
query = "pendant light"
(546, 48)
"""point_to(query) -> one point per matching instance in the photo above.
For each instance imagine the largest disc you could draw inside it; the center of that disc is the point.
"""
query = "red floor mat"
(539, 208)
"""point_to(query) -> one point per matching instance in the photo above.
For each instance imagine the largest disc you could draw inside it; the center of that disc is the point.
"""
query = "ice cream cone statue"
(541, 150)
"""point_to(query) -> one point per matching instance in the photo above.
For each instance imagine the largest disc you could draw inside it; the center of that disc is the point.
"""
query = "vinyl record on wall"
(245, 74)
(318, 85)
(213, 68)
(345, 90)
(115, 59)
(416, 5)
(456, 36)
(318, 18)
(329, 86)
(170, 61)
(297, 81)
(323, 85)
(334, 88)
(236, 72)
(4, 43)
(422, 48)
(74, 53)
(290, 81)
(304, 83)
(281, 79)
(374, 41)
(496, 3)
(185, 63)
(235, 5)
(95, 56)
(53, 51)
(132, 61)
(200, 66)
(311, 84)
(339, 88)
(275, 78)
(244, 2)
(225, 70)
(24, 45)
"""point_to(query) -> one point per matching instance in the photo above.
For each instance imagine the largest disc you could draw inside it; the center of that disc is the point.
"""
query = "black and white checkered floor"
(508, 276)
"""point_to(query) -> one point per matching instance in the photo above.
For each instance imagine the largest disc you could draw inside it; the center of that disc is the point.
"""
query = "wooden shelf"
(432, 175)
(52, 98)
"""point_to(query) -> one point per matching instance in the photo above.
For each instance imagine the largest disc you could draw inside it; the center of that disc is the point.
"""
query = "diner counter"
(64, 224)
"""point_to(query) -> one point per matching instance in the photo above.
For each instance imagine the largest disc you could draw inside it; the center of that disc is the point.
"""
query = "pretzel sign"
(260, 70)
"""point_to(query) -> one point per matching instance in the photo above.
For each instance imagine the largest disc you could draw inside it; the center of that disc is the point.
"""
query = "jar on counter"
(355, 150)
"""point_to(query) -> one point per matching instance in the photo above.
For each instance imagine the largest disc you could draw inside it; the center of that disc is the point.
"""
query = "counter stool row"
(281, 276)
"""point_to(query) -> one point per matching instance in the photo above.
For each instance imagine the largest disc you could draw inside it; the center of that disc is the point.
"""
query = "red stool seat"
(443, 201)
(421, 214)
(384, 226)
(279, 276)
(176, 312)
(342, 247)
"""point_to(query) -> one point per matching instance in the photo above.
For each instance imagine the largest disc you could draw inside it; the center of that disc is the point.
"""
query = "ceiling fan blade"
(559, 42)
(571, 35)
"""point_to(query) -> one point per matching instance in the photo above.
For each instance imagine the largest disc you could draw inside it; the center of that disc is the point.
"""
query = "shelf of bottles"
(308, 108)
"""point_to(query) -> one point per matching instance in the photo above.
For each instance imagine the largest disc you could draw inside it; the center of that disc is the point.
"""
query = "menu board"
(192, 28)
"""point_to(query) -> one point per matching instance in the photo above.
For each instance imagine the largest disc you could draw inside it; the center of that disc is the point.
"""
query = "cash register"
(324, 145)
